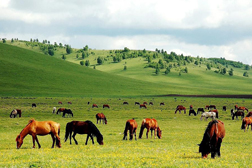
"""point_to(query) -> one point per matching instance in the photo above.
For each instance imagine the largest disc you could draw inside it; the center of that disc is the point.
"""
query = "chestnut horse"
(249, 114)
(80, 127)
(94, 105)
(210, 106)
(131, 125)
(246, 122)
(15, 112)
(105, 105)
(212, 139)
(240, 108)
(101, 116)
(143, 106)
(60, 110)
(150, 124)
(179, 108)
(35, 128)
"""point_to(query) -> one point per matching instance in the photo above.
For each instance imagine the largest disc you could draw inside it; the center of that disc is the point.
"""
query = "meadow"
(177, 147)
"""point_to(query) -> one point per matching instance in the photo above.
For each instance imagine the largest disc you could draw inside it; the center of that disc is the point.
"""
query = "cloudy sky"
(205, 28)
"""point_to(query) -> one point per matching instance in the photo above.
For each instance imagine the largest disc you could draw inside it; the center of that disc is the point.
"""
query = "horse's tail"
(68, 130)
(217, 115)
(141, 130)
(127, 125)
(58, 139)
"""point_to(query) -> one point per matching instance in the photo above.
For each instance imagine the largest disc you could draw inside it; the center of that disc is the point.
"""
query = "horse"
(125, 103)
(69, 102)
(207, 115)
(150, 124)
(105, 105)
(15, 112)
(191, 107)
(200, 109)
(101, 116)
(246, 122)
(162, 104)
(83, 127)
(210, 106)
(224, 108)
(59, 102)
(35, 128)
(145, 103)
(60, 110)
(249, 114)
(54, 110)
(34, 105)
(179, 108)
(67, 111)
(236, 114)
(216, 111)
(192, 111)
(130, 125)
(240, 108)
(94, 105)
(212, 139)
(143, 106)
(137, 103)
(150, 103)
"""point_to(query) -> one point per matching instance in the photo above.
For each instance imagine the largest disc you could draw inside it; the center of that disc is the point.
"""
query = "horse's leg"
(70, 137)
(53, 139)
(135, 134)
(34, 137)
(74, 138)
(147, 132)
(92, 138)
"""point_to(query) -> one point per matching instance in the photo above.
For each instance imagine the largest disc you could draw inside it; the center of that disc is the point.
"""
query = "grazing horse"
(69, 102)
(236, 114)
(191, 107)
(105, 106)
(200, 110)
(210, 107)
(216, 111)
(212, 139)
(137, 103)
(15, 112)
(207, 115)
(151, 103)
(249, 114)
(67, 111)
(80, 127)
(59, 102)
(125, 103)
(131, 125)
(192, 111)
(101, 116)
(34, 105)
(162, 104)
(240, 108)
(94, 105)
(35, 128)
(54, 110)
(224, 108)
(60, 110)
(150, 124)
(145, 103)
(179, 108)
(246, 122)
(143, 106)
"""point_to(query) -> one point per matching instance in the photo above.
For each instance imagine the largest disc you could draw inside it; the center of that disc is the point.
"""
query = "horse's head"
(100, 140)
(19, 141)
(204, 149)
(243, 124)
(159, 133)
(105, 120)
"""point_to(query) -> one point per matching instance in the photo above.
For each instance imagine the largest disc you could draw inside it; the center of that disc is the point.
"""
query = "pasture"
(177, 148)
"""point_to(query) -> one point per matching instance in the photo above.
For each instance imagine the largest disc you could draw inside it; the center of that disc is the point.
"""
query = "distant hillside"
(128, 73)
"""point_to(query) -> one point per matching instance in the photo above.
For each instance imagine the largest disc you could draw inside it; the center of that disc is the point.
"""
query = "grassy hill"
(31, 73)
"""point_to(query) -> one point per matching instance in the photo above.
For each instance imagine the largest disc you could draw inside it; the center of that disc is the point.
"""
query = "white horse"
(207, 115)
(13, 113)
(54, 110)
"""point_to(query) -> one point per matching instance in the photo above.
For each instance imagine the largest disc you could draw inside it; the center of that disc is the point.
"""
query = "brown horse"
(216, 111)
(80, 127)
(246, 122)
(35, 128)
(236, 114)
(131, 125)
(210, 107)
(101, 116)
(143, 106)
(60, 110)
(15, 112)
(150, 124)
(179, 108)
(240, 108)
(105, 106)
(145, 103)
(94, 105)
(212, 139)
(59, 102)
(69, 102)
(249, 114)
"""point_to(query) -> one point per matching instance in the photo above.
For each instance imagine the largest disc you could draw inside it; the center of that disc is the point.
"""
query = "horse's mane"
(206, 136)
(29, 122)
(95, 131)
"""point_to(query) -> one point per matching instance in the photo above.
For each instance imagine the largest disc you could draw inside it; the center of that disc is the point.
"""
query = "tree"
(99, 60)
(196, 62)
(82, 63)
(186, 70)
(245, 74)
(50, 52)
(126, 49)
(125, 67)
(149, 59)
(208, 66)
(12, 40)
(85, 48)
(223, 71)
(68, 49)
(167, 70)
(247, 67)
(4, 40)
(230, 72)
(63, 57)
(87, 63)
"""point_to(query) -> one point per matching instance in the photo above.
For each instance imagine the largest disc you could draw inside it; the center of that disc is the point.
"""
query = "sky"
(204, 28)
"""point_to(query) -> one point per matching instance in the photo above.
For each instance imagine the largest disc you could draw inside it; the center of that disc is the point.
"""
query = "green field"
(177, 148)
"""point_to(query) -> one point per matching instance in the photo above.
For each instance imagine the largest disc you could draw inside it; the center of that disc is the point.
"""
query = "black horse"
(68, 111)
(80, 127)
(200, 110)
(191, 111)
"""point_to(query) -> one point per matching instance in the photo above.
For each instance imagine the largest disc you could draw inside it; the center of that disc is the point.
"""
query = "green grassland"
(177, 148)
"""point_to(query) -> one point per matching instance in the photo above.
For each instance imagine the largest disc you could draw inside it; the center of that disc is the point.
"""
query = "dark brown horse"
(101, 116)
(130, 126)
(162, 104)
(179, 108)
(35, 128)
(216, 111)
(67, 111)
(125, 103)
(150, 103)
(106, 106)
(249, 114)
(15, 112)
(137, 103)
(240, 108)
(60, 110)
(212, 139)
(94, 105)
(191, 111)
(145, 103)
(210, 107)
(224, 108)
(150, 124)
(69, 102)
(59, 102)
(143, 106)
(34, 105)
(80, 127)
(246, 122)
(200, 110)
(236, 114)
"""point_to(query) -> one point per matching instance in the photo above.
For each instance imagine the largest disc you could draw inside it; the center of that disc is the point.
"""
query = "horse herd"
(210, 143)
